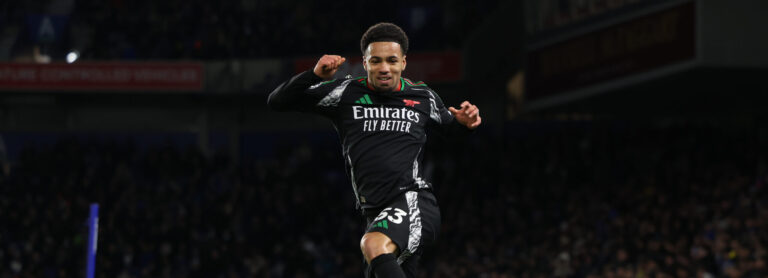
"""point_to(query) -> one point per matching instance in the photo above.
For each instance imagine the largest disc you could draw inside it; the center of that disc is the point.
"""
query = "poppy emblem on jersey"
(411, 103)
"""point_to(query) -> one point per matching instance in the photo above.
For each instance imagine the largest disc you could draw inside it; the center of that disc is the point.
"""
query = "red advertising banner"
(424, 66)
(102, 76)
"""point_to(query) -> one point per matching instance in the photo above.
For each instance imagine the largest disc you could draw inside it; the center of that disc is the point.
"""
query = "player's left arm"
(468, 115)
(456, 121)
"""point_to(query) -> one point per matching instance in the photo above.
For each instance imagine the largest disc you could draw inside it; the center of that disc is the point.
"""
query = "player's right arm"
(295, 94)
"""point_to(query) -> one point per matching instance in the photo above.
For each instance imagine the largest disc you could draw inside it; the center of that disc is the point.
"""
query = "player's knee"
(374, 244)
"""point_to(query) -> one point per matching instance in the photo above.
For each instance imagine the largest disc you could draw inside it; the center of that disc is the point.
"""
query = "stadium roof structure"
(665, 57)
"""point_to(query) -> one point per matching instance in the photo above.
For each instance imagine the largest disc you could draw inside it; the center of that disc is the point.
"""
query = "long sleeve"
(456, 128)
(290, 95)
(444, 119)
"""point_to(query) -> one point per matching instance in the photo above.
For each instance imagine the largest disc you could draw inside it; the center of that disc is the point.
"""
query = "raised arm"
(455, 121)
(292, 93)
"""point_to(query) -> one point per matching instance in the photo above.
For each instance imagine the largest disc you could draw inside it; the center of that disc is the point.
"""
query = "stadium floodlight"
(72, 56)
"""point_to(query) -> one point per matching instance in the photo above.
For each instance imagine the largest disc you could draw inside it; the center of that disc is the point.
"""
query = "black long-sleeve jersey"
(382, 134)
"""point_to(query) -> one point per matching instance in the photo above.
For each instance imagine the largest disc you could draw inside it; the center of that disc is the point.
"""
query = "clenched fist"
(327, 66)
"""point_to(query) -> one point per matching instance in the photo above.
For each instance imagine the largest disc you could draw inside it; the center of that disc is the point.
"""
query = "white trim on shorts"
(414, 230)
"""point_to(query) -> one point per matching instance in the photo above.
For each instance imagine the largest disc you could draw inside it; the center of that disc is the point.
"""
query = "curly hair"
(384, 32)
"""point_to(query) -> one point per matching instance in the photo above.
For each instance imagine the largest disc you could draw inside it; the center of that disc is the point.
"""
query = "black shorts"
(412, 221)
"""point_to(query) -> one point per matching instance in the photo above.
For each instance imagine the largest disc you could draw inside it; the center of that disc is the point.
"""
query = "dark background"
(620, 138)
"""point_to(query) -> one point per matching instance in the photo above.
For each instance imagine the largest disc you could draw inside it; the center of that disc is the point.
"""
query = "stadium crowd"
(563, 199)
(163, 30)
(610, 201)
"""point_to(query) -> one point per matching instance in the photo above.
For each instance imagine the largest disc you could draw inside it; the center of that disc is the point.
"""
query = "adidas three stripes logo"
(364, 100)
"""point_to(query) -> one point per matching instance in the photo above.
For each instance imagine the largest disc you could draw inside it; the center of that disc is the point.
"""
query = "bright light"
(72, 56)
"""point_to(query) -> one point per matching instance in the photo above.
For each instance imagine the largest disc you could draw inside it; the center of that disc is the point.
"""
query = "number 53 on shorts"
(394, 215)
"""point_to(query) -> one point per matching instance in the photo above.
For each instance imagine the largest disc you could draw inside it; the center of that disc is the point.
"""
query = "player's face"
(384, 62)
